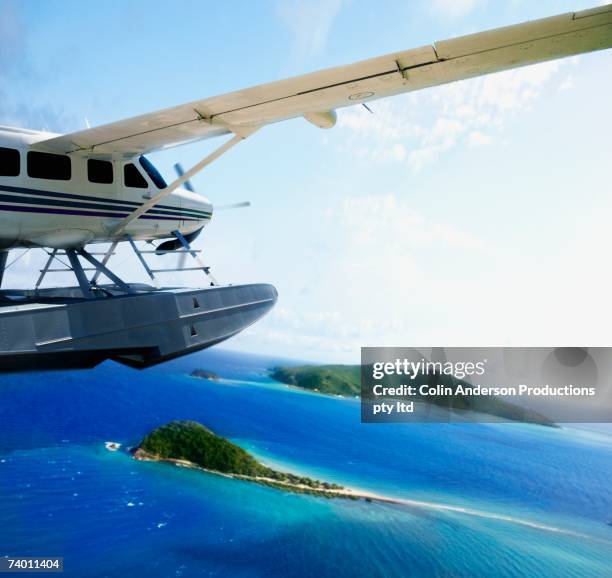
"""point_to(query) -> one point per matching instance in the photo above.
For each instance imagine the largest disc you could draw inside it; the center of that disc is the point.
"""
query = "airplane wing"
(316, 95)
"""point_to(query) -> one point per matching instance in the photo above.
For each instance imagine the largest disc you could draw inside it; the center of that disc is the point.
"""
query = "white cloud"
(477, 138)
(387, 262)
(309, 24)
(385, 124)
(399, 151)
(516, 89)
(369, 220)
(443, 135)
(419, 127)
(567, 84)
(455, 8)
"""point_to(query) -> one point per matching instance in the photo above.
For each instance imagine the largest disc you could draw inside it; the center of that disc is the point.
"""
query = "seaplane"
(70, 193)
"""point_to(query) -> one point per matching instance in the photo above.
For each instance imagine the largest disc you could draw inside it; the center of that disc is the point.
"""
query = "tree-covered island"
(205, 374)
(190, 444)
(345, 380)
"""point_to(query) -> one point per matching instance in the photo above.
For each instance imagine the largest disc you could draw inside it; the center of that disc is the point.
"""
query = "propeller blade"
(174, 244)
(178, 167)
(233, 206)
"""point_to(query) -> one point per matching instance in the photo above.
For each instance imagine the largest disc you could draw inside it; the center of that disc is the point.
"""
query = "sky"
(476, 213)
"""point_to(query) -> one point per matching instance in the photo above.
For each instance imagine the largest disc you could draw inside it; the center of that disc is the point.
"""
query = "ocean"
(480, 499)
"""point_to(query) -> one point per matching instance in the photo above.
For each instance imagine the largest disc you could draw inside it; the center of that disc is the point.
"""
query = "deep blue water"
(63, 493)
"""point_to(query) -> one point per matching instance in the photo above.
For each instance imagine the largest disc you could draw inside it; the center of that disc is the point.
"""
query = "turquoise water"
(484, 500)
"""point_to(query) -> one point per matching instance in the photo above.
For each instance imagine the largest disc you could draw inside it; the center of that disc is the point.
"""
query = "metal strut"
(77, 268)
(185, 250)
(101, 268)
(183, 178)
(3, 257)
(142, 261)
(142, 209)
(107, 256)
(45, 269)
(187, 247)
(87, 286)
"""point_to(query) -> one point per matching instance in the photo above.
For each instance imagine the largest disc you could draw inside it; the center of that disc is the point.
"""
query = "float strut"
(3, 257)
(77, 268)
(101, 268)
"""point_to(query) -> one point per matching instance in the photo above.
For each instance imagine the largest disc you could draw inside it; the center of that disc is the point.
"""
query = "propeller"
(180, 171)
(178, 167)
(175, 244)
(233, 206)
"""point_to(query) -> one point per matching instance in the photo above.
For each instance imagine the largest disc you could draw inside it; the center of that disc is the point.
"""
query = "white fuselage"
(63, 212)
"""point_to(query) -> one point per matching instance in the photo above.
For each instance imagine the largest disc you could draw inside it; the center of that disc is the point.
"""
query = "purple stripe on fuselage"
(24, 209)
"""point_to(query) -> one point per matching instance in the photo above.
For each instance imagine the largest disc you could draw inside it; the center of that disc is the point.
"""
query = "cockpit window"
(133, 178)
(153, 173)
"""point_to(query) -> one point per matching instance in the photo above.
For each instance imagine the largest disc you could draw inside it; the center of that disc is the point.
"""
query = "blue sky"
(470, 214)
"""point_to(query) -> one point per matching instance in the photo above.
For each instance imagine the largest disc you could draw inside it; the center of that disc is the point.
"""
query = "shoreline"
(350, 493)
(355, 494)
(336, 378)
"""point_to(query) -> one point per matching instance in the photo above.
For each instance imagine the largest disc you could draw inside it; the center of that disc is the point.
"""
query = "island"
(330, 379)
(190, 444)
(112, 446)
(205, 374)
(345, 380)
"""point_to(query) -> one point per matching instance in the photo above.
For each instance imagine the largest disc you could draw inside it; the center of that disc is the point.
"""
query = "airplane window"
(153, 173)
(99, 171)
(49, 166)
(9, 162)
(132, 178)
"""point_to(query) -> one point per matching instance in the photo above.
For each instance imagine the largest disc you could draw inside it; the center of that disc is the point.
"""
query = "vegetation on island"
(331, 379)
(205, 374)
(190, 441)
(346, 380)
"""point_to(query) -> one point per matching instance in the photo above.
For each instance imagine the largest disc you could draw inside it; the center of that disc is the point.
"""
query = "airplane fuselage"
(63, 201)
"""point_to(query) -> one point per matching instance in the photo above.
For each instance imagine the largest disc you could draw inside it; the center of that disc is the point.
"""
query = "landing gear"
(136, 324)
(186, 250)
(89, 287)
